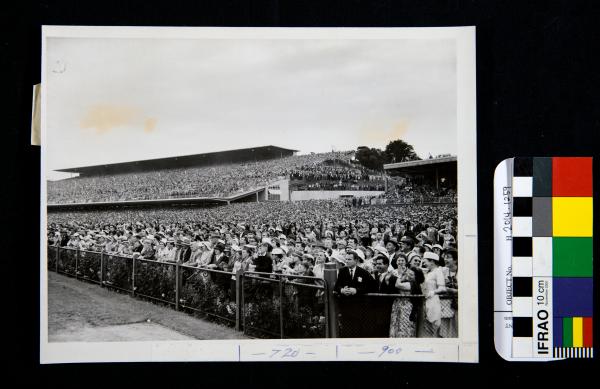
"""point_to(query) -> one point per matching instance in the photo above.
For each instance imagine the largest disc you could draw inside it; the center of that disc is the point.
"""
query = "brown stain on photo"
(149, 125)
(380, 133)
(103, 118)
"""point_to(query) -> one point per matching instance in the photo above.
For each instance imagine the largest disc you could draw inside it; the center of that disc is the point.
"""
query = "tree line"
(395, 151)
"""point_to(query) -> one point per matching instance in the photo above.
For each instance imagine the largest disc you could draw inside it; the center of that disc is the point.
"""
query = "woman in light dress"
(433, 286)
(401, 323)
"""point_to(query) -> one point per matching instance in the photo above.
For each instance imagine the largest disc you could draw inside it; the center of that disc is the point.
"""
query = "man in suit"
(381, 307)
(385, 280)
(393, 249)
(352, 282)
(183, 252)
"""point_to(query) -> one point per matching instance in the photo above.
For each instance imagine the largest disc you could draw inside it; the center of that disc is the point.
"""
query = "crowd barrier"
(262, 305)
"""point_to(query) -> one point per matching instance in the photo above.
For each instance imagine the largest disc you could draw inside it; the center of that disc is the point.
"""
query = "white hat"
(359, 253)
(432, 256)
(235, 248)
(277, 251)
(338, 257)
(382, 250)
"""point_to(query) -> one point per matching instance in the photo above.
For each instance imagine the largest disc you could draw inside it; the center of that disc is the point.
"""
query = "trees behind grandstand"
(395, 151)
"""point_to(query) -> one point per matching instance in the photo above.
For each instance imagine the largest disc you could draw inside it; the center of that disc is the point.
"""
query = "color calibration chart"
(552, 260)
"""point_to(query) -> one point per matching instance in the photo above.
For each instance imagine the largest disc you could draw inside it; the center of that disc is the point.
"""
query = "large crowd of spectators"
(403, 250)
(209, 181)
(410, 194)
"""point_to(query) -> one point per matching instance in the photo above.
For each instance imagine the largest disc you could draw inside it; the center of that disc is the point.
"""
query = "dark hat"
(394, 242)
(220, 247)
(408, 240)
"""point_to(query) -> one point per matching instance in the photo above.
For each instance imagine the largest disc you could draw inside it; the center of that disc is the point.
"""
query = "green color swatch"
(567, 332)
(572, 257)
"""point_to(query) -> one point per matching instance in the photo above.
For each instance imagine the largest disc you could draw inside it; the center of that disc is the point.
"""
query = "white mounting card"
(180, 91)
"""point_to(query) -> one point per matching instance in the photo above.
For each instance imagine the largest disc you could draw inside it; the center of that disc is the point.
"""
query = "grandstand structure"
(186, 161)
(267, 173)
(439, 172)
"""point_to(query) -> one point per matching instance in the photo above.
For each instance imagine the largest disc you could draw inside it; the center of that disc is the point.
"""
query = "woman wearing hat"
(148, 251)
(434, 284)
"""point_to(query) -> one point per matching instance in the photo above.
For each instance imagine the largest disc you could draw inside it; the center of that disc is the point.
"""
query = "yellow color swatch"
(572, 216)
(577, 332)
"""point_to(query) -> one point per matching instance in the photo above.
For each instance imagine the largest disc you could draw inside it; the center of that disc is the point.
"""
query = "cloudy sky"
(116, 100)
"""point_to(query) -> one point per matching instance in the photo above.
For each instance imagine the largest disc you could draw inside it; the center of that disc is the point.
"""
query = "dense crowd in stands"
(339, 185)
(407, 193)
(403, 250)
(209, 181)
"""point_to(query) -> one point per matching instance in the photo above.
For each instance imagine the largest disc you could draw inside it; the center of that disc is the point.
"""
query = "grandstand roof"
(420, 164)
(206, 159)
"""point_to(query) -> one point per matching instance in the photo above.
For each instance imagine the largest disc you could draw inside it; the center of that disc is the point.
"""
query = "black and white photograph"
(252, 185)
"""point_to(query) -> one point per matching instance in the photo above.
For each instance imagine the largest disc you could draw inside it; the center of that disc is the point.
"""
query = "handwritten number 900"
(389, 350)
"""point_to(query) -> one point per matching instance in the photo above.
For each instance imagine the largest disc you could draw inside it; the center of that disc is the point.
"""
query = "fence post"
(281, 306)
(132, 276)
(177, 285)
(102, 269)
(238, 298)
(76, 263)
(331, 310)
(242, 302)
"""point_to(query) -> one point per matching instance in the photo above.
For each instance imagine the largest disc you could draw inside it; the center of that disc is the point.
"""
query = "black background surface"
(537, 95)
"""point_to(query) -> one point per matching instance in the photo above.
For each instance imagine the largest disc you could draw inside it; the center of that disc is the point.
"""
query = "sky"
(115, 100)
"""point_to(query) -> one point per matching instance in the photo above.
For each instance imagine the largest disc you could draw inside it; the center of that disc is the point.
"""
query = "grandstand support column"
(228, 202)
(257, 197)
(332, 308)
(437, 179)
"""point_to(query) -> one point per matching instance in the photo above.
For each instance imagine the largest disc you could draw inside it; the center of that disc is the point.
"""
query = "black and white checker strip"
(573, 352)
(522, 254)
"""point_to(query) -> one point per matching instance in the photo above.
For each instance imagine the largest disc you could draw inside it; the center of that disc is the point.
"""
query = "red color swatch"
(588, 340)
(572, 177)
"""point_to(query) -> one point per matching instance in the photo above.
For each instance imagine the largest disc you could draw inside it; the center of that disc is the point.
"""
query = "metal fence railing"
(89, 266)
(117, 273)
(210, 292)
(156, 281)
(265, 305)
(284, 305)
(67, 261)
